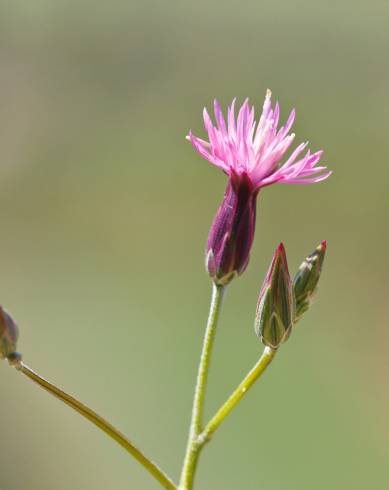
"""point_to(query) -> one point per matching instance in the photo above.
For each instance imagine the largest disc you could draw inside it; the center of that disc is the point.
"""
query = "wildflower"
(275, 309)
(250, 155)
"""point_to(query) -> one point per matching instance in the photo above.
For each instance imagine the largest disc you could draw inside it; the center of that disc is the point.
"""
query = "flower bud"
(307, 278)
(8, 335)
(275, 309)
(232, 232)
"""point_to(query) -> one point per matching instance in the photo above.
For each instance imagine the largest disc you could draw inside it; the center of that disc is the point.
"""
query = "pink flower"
(244, 147)
(250, 154)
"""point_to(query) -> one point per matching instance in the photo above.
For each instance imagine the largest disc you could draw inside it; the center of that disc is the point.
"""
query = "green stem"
(193, 448)
(102, 424)
(237, 395)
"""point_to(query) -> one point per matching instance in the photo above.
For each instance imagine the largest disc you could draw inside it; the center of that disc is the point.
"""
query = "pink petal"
(219, 118)
(308, 181)
(205, 153)
(242, 119)
(289, 123)
(231, 120)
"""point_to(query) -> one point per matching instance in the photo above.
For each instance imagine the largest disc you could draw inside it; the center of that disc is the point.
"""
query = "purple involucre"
(232, 232)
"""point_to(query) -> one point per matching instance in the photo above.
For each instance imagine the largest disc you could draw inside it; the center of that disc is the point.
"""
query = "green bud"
(8, 336)
(306, 280)
(275, 309)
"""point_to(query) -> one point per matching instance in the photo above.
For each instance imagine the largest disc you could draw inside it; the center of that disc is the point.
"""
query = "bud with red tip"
(306, 280)
(232, 232)
(276, 304)
(8, 336)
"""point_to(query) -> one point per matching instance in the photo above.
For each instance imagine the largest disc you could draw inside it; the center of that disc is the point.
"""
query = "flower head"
(250, 154)
(243, 147)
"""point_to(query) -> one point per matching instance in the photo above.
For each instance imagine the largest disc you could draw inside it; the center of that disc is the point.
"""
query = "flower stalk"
(97, 420)
(237, 395)
(193, 446)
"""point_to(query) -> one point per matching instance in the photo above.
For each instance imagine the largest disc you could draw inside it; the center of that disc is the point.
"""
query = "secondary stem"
(238, 394)
(102, 424)
(193, 447)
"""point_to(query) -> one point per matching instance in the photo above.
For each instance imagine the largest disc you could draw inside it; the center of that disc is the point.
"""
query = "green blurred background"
(104, 211)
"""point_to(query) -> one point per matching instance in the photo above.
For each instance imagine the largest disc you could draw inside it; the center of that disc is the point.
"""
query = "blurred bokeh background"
(104, 211)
